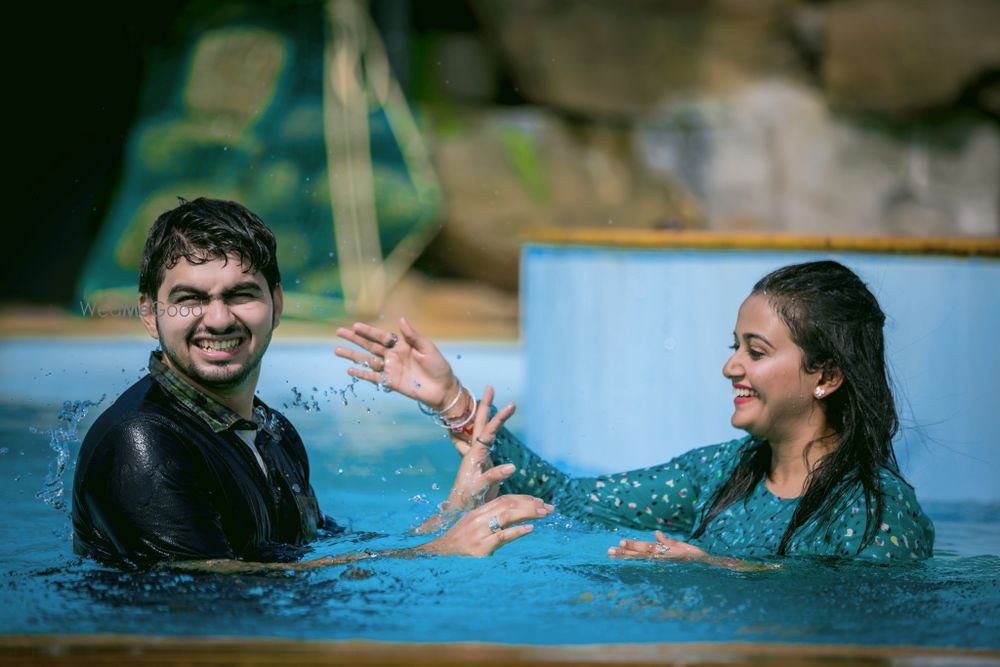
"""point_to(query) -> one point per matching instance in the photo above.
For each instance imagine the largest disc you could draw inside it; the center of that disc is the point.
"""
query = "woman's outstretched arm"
(664, 497)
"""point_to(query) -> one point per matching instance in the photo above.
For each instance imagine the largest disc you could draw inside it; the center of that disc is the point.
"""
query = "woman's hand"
(411, 365)
(667, 548)
(664, 548)
(478, 480)
(484, 530)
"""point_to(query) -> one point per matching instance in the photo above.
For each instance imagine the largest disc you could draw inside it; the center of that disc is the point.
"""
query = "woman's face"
(773, 396)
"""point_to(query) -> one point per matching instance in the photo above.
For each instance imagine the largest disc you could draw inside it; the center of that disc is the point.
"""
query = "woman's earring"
(820, 392)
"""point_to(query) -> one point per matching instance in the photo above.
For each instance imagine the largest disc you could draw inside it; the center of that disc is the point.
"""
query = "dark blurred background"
(847, 116)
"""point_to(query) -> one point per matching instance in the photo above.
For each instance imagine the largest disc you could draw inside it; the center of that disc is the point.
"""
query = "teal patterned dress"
(672, 497)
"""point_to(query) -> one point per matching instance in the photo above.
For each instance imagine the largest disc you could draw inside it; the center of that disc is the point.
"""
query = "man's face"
(214, 322)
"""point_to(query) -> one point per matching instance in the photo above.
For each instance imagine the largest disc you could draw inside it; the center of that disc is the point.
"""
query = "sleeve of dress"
(149, 498)
(904, 534)
(666, 497)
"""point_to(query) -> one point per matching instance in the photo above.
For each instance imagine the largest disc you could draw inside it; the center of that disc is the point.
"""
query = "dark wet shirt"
(163, 475)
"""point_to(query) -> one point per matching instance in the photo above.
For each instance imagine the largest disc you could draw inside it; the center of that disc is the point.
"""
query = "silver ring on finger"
(393, 338)
(494, 524)
(488, 444)
(662, 548)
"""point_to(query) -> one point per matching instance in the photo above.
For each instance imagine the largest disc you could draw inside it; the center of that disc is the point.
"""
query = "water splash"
(60, 438)
(268, 420)
(310, 403)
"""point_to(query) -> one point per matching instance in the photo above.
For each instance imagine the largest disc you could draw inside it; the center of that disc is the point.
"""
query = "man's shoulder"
(142, 413)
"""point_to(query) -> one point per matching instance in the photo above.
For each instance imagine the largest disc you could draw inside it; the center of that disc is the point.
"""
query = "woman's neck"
(793, 459)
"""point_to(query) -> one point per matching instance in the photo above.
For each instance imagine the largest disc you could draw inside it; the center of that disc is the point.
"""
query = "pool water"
(379, 467)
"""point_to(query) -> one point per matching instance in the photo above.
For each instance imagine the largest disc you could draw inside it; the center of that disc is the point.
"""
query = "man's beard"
(218, 377)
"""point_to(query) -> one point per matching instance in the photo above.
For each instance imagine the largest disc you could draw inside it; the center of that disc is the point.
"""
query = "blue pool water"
(379, 467)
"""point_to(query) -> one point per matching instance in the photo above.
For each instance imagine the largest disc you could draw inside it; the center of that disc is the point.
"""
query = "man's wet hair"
(203, 230)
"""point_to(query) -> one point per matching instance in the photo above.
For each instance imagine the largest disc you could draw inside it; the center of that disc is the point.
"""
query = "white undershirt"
(249, 436)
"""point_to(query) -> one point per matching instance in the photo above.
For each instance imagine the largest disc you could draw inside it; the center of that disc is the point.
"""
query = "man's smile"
(219, 344)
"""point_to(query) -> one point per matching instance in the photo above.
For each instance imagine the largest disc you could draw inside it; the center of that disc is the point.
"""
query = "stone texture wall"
(847, 116)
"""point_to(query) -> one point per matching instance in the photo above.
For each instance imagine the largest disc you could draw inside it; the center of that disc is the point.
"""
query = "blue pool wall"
(49, 371)
(624, 350)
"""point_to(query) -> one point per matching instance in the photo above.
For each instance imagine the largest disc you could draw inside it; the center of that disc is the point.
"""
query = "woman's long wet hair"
(837, 322)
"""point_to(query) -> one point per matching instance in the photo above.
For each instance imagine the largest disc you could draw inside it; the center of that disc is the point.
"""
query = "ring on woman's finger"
(392, 340)
(487, 444)
(494, 525)
(662, 548)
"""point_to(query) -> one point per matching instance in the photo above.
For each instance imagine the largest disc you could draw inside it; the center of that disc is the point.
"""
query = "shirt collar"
(218, 417)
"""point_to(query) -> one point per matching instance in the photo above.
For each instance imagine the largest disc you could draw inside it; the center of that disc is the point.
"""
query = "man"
(188, 465)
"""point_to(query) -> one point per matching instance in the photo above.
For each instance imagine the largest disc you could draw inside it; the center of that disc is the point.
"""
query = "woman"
(815, 476)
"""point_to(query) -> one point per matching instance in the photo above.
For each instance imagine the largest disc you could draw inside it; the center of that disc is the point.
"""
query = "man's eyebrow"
(186, 289)
(749, 337)
(245, 286)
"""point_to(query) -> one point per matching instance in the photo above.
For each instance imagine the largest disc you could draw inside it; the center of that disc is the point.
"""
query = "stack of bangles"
(460, 425)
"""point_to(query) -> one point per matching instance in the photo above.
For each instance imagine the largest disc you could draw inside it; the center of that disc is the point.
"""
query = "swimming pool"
(379, 467)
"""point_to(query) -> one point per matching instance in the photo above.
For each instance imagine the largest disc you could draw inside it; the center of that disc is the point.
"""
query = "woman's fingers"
(664, 548)
(376, 336)
(497, 474)
(482, 414)
(370, 376)
(668, 541)
(485, 432)
(410, 335)
(372, 361)
(461, 446)
(639, 549)
(513, 509)
(500, 418)
(508, 535)
(372, 343)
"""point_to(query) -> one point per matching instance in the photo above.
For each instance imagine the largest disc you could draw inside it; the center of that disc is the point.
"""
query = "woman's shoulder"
(713, 461)
(900, 499)
(723, 450)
